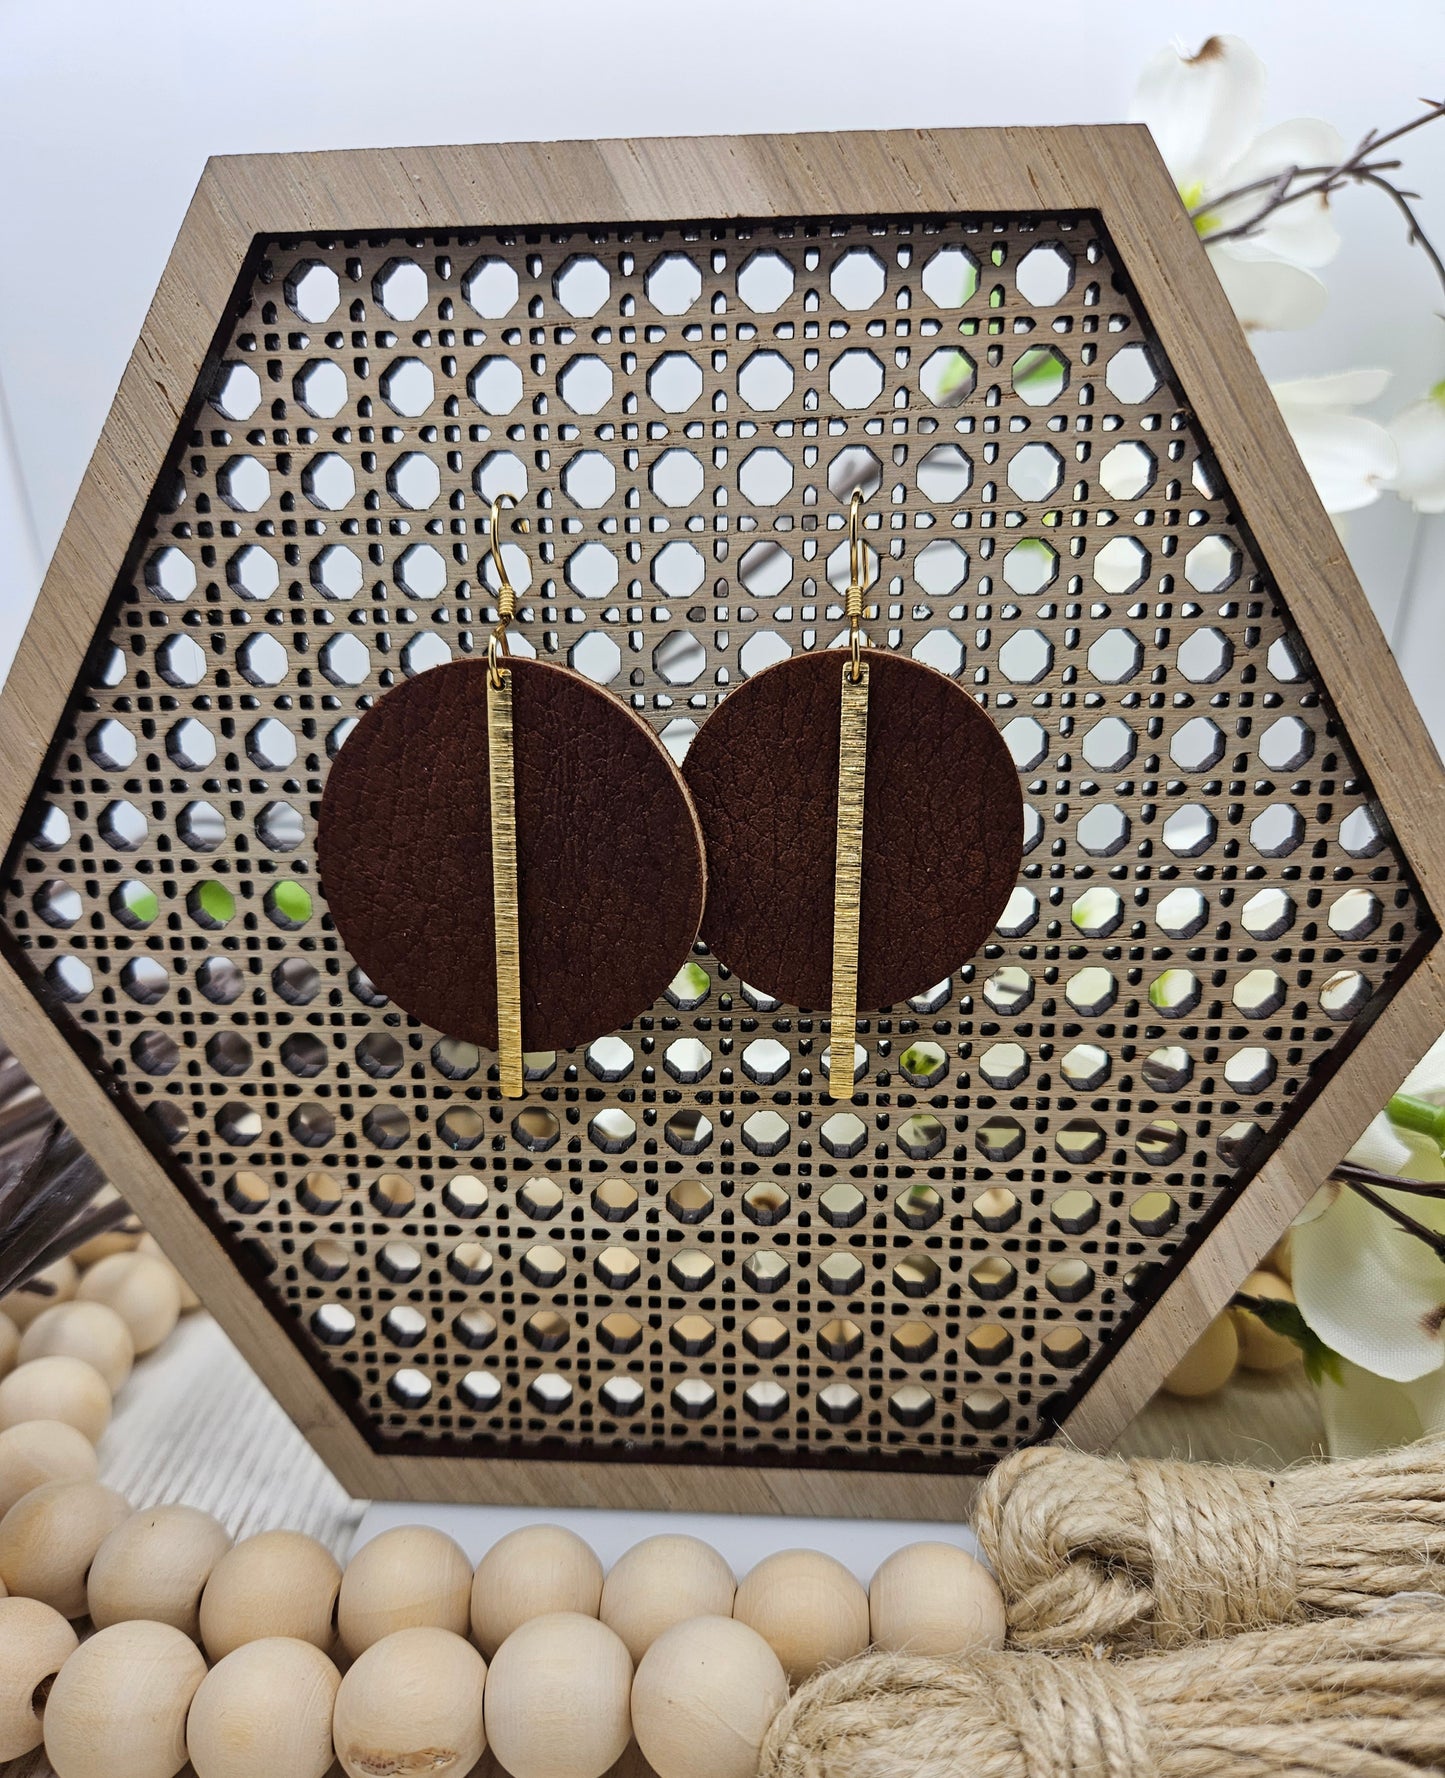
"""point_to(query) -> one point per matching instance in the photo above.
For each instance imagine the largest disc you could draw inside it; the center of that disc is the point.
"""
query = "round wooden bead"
(118, 1707)
(663, 1581)
(35, 1642)
(935, 1599)
(57, 1388)
(1260, 1347)
(412, 1703)
(143, 1291)
(1206, 1366)
(808, 1608)
(22, 1306)
(189, 1299)
(156, 1566)
(557, 1699)
(40, 1451)
(281, 1583)
(89, 1331)
(9, 1345)
(532, 1572)
(412, 1575)
(703, 1699)
(264, 1712)
(49, 1537)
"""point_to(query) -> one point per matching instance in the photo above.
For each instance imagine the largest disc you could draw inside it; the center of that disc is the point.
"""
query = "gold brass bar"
(848, 878)
(502, 775)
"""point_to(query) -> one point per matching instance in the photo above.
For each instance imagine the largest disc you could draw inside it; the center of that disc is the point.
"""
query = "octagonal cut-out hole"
(1030, 566)
(678, 569)
(252, 573)
(1198, 745)
(764, 648)
(854, 469)
(328, 481)
(765, 569)
(414, 481)
(408, 387)
(236, 391)
(673, 284)
(1027, 741)
(1286, 744)
(1205, 655)
(676, 478)
(244, 484)
(765, 281)
(320, 387)
(1355, 914)
(582, 285)
(589, 480)
(1121, 565)
(495, 384)
(855, 378)
(675, 382)
(1040, 375)
(490, 286)
(858, 278)
(1175, 992)
(1258, 993)
(944, 474)
(421, 571)
(596, 655)
(345, 660)
(262, 660)
(592, 570)
(312, 290)
(1115, 656)
(190, 744)
(1035, 471)
(585, 383)
(336, 572)
(1276, 830)
(1127, 471)
(1045, 275)
(1212, 564)
(1109, 745)
(679, 658)
(424, 650)
(1267, 914)
(401, 289)
(941, 567)
(270, 744)
(948, 376)
(180, 660)
(765, 381)
(1020, 914)
(1131, 375)
(1190, 830)
(1181, 913)
(941, 650)
(1097, 912)
(765, 476)
(950, 278)
(1026, 657)
(1103, 830)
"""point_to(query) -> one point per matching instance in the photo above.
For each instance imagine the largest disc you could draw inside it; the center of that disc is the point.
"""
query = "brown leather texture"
(942, 828)
(611, 874)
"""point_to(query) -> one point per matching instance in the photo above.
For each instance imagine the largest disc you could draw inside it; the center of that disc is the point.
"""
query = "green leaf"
(1284, 1318)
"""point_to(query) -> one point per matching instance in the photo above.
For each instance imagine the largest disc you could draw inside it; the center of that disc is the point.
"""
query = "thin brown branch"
(1401, 1218)
(1349, 1173)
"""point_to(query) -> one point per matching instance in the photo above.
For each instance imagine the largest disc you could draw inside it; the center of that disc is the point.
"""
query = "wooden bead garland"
(35, 1643)
(532, 1572)
(264, 1712)
(281, 1583)
(406, 1577)
(557, 1698)
(89, 1331)
(155, 1565)
(23, 1305)
(118, 1706)
(38, 1451)
(57, 1388)
(412, 1704)
(807, 1607)
(935, 1599)
(49, 1537)
(663, 1581)
(704, 1697)
(142, 1289)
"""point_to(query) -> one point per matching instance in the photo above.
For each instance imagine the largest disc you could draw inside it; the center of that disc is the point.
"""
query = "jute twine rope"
(1358, 1698)
(1137, 1554)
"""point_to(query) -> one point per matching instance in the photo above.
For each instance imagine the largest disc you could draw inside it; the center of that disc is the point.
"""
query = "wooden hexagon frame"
(1113, 173)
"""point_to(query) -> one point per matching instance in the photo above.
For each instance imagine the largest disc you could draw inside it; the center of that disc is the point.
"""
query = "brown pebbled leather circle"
(611, 877)
(942, 828)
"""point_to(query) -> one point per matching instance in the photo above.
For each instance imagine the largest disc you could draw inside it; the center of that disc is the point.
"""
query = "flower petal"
(1428, 1395)
(1302, 231)
(1338, 388)
(1349, 459)
(1267, 293)
(1365, 1414)
(1419, 434)
(1382, 1147)
(1202, 109)
(1426, 1080)
(1371, 1290)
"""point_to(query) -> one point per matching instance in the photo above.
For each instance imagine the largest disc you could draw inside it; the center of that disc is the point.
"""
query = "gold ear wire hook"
(506, 593)
(857, 586)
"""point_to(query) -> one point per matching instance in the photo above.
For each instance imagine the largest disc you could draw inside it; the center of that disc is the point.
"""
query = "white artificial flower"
(1350, 459)
(1204, 112)
(1419, 434)
(1375, 1292)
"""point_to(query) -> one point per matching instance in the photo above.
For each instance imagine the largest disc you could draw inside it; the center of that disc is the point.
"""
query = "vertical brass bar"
(502, 776)
(848, 878)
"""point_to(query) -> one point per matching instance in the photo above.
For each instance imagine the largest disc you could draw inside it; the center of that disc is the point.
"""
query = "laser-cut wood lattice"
(678, 1249)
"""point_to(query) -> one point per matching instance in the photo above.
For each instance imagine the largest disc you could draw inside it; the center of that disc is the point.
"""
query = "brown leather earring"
(509, 853)
(864, 826)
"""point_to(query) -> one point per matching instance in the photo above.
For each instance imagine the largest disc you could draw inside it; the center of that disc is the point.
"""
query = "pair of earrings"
(512, 856)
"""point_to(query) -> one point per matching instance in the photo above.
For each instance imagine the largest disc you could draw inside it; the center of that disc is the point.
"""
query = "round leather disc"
(942, 828)
(610, 866)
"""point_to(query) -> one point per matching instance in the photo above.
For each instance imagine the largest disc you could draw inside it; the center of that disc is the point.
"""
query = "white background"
(107, 114)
